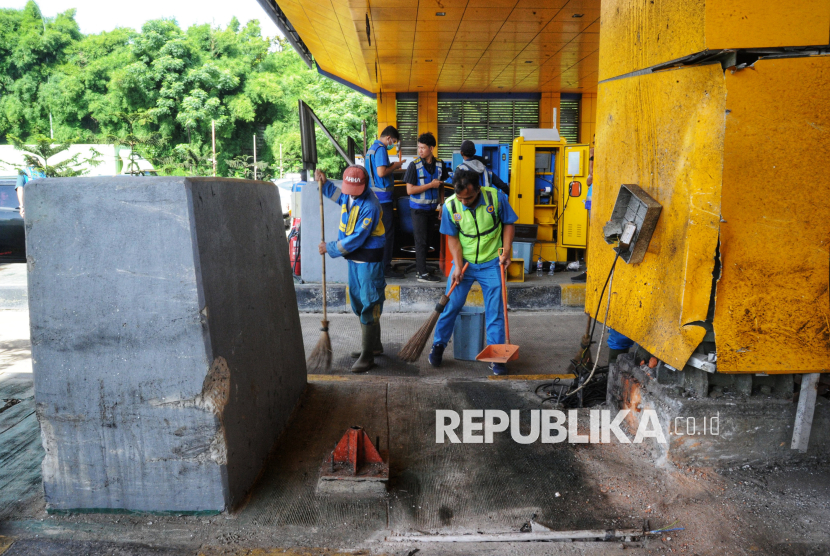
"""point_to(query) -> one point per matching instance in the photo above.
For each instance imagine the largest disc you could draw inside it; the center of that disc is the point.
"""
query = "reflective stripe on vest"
(480, 230)
(370, 156)
(428, 197)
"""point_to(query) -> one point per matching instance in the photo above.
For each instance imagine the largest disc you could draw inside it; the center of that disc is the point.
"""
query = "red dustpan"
(501, 353)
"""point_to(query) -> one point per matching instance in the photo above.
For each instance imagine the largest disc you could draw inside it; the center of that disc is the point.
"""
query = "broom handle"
(463, 270)
(502, 272)
(323, 239)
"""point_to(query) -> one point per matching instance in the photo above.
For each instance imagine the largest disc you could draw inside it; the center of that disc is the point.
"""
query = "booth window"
(407, 111)
(482, 120)
(569, 117)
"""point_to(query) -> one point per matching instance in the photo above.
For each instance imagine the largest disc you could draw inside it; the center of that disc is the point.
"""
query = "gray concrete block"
(310, 298)
(337, 270)
(166, 342)
(534, 297)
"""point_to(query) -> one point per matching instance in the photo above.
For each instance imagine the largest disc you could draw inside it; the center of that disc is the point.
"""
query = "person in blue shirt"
(478, 221)
(424, 179)
(360, 241)
(382, 182)
(24, 177)
(476, 164)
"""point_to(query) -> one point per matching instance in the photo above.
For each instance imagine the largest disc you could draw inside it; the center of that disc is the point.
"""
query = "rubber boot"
(377, 346)
(366, 360)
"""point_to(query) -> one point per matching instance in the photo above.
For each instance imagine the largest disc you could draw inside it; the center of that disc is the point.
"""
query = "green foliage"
(158, 91)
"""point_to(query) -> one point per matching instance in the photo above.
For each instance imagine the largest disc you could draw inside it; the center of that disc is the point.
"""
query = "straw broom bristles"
(415, 346)
(320, 358)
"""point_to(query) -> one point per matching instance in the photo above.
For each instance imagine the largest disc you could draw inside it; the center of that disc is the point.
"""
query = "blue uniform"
(487, 275)
(360, 240)
(382, 186)
(617, 340)
(425, 200)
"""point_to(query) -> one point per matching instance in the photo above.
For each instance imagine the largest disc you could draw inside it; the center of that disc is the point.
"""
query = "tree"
(37, 155)
(179, 82)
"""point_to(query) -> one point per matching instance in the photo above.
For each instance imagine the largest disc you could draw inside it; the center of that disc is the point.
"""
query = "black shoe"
(428, 278)
(583, 277)
(499, 369)
(436, 355)
(393, 274)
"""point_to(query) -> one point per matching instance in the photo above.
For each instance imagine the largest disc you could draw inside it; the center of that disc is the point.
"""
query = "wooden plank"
(804, 414)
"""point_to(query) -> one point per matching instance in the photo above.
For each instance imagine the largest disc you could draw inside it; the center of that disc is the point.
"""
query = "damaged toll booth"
(711, 108)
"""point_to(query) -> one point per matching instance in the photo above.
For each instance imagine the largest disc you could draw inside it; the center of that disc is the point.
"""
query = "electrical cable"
(562, 398)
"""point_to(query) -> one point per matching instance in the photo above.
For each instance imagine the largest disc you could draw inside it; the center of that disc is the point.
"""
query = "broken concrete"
(746, 428)
(166, 342)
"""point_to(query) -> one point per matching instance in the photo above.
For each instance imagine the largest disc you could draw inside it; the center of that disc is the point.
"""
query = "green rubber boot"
(367, 359)
(378, 347)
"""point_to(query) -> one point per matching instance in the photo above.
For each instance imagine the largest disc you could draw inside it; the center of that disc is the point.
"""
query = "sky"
(94, 16)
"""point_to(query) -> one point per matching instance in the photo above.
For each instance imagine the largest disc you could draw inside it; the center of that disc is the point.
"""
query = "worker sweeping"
(360, 241)
(478, 221)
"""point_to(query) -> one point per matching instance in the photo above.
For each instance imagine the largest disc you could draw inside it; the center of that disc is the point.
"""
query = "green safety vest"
(479, 230)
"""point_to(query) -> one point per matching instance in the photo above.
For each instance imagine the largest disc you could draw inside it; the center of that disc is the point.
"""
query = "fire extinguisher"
(294, 247)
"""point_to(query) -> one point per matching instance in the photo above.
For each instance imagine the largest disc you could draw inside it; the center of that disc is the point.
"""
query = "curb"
(422, 299)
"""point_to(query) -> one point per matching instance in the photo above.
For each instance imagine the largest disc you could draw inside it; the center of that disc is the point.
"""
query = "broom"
(415, 346)
(320, 357)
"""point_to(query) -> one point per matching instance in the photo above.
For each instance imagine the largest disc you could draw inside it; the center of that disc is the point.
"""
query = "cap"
(355, 179)
(468, 148)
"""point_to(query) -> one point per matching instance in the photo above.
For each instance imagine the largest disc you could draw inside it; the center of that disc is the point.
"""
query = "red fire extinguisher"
(294, 247)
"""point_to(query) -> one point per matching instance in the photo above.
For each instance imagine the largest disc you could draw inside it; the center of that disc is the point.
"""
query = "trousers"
(487, 275)
(367, 290)
(422, 222)
(389, 234)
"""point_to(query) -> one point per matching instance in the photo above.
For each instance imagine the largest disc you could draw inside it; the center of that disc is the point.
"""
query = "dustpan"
(501, 353)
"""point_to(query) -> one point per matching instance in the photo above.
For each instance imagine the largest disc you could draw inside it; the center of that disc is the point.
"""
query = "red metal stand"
(355, 457)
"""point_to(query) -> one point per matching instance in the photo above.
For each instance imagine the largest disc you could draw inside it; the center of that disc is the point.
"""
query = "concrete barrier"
(166, 342)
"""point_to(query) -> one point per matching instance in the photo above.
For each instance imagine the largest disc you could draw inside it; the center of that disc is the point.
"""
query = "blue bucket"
(468, 334)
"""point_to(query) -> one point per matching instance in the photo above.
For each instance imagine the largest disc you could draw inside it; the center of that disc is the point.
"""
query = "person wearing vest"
(477, 221)
(382, 182)
(424, 178)
(360, 241)
(472, 162)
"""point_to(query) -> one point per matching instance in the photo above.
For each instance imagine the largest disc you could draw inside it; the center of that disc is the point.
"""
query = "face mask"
(391, 147)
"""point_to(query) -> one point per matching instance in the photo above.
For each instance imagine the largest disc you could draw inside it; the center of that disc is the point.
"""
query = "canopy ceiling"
(494, 46)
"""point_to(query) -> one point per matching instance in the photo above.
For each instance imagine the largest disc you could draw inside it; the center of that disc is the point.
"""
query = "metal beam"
(281, 21)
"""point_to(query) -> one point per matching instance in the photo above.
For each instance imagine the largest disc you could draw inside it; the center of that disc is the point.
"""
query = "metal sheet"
(772, 312)
(636, 35)
(663, 132)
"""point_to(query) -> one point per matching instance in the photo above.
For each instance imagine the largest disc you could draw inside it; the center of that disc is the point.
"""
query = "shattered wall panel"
(663, 132)
(772, 312)
(166, 346)
(639, 34)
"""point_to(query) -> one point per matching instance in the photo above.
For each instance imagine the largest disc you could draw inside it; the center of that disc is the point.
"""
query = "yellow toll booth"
(548, 189)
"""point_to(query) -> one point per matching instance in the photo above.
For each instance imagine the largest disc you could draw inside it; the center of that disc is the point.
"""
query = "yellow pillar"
(547, 105)
(387, 111)
(714, 147)
(588, 118)
(428, 113)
